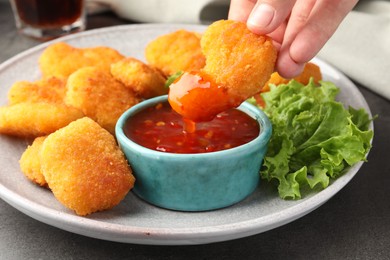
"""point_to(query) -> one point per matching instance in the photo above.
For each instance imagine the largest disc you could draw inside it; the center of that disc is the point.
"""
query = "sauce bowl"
(200, 181)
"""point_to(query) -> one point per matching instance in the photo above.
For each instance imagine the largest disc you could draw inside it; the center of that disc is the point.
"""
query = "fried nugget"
(60, 59)
(30, 162)
(238, 64)
(29, 119)
(238, 59)
(176, 51)
(44, 90)
(84, 167)
(310, 70)
(99, 96)
(144, 80)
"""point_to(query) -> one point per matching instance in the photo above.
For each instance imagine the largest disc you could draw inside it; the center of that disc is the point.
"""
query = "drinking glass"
(48, 19)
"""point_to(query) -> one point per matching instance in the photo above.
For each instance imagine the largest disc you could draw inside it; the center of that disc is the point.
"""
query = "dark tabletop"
(354, 224)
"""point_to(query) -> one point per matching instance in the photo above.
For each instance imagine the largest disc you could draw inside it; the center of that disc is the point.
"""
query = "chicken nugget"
(238, 63)
(30, 162)
(60, 59)
(84, 167)
(99, 96)
(176, 51)
(144, 80)
(310, 70)
(238, 59)
(44, 90)
(29, 119)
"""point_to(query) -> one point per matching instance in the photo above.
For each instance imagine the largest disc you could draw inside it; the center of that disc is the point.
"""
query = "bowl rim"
(260, 141)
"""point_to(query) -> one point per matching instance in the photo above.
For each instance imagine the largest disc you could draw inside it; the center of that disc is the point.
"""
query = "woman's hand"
(299, 28)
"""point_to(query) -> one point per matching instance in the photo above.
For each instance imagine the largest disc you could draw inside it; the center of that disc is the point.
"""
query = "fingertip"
(303, 49)
(287, 67)
(261, 18)
(267, 15)
(240, 9)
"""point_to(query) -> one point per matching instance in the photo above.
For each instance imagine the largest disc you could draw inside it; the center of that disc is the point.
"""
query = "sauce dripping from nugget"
(238, 64)
(198, 98)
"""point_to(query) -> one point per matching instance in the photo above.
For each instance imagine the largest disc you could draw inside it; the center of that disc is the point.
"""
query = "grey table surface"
(354, 224)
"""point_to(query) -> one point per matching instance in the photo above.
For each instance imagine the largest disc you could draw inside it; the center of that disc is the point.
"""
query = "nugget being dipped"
(84, 167)
(238, 64)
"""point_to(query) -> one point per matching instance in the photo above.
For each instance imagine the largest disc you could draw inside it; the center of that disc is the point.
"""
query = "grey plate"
(134, 221)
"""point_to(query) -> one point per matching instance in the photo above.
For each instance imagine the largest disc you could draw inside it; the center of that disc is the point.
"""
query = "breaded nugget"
(60, 59)
(29, 119)
(238, 59)
(310, 70)
(30, 162)
(238, 63)
(99, 96)
(84, 167)
(145, 81)
(44, 90)
(176, 51)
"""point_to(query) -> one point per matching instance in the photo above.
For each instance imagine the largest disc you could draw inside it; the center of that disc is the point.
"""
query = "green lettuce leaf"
(172, 78)
(314, 137)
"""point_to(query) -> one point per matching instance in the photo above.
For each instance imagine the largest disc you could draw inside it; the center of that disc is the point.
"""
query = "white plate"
(134, 221)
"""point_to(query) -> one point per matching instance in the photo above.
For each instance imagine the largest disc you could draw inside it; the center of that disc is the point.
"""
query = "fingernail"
(261, 16)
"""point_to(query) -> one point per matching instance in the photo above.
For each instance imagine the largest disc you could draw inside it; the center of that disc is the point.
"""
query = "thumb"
(267, 15)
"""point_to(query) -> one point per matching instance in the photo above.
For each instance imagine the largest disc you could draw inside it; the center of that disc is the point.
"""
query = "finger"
(278, 34)
(287, 67)
(298, 18)
(267, 15)
(239, 10)
(323, 22)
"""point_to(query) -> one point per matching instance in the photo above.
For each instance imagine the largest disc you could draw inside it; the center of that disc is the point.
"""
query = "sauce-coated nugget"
(237, 58)
(84, 167)
(30, 162)
(44, 90)
(176, 51)
(60, 59)
(29, 119)
(238, 64)
(144, 80)
(99, 96)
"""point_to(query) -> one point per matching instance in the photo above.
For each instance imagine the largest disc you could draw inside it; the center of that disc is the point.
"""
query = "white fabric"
(361, 46)
(164, 11)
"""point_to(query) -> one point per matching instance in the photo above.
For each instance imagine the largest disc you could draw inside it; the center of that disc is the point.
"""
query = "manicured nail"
(261, 16)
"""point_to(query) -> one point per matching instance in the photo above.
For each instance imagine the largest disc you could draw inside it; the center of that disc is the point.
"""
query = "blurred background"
(166, 11)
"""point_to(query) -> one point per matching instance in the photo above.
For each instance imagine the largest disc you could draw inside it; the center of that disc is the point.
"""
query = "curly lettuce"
(172, 78)
(314, 137)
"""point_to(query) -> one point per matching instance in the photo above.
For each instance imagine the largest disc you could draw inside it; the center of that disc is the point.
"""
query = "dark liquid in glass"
(49, 13)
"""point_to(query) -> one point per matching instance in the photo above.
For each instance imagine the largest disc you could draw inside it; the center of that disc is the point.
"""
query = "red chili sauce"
(162, 129)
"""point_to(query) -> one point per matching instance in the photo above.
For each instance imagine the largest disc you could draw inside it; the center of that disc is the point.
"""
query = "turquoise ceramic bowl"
(195, 182)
